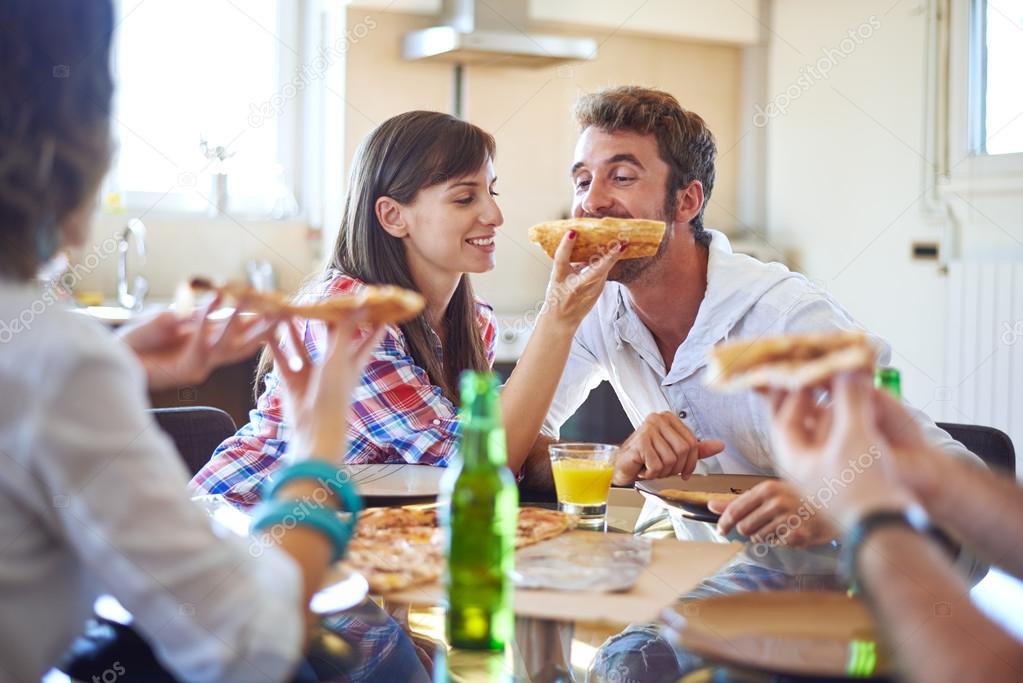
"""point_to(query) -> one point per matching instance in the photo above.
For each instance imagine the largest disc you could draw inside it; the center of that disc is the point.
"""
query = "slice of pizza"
(398, 548)
(377, 519)
(540, 524)
(257, 301)
(391, 562)
(383, 304)
(788, 362)
(595, 236)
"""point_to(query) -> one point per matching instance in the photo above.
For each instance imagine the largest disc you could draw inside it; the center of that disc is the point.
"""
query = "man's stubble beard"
(630, 271)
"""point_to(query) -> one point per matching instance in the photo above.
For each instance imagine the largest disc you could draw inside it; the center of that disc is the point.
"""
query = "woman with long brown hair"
(420, 212)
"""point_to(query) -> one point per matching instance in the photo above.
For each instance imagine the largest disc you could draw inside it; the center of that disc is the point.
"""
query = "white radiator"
(984, 348)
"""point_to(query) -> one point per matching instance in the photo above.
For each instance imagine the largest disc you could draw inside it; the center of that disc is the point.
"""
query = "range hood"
(492, 32)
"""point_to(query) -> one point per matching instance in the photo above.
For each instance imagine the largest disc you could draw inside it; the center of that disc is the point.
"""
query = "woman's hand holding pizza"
(574, 288)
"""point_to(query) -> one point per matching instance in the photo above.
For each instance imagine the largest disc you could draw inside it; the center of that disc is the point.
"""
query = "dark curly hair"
(55, 98)
(683, 139)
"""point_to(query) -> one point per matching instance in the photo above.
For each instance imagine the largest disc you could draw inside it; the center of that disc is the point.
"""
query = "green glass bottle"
(890, 380)
(479, 504)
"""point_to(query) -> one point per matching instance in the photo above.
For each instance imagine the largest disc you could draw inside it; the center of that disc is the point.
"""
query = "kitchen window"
(977, 121)
(205, 70)
(996, 103)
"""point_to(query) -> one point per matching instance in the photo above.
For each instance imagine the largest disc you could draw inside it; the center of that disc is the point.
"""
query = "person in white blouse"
(92, 494)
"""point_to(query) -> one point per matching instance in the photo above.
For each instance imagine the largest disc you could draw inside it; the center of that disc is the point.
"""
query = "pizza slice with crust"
(384, 304)
(594, 236)
(788, 362)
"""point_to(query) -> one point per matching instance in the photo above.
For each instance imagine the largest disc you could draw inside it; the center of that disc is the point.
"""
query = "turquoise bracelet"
(293, 513)
(329, 475)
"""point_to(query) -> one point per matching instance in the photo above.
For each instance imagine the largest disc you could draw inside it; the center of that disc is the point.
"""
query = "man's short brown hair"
(683, 139)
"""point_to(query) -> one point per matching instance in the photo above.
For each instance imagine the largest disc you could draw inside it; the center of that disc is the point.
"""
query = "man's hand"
(662, 446)
(772, 512)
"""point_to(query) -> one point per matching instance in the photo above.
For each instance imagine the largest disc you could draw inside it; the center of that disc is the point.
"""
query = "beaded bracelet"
(331, 476)
(294, 513)
(290, 514)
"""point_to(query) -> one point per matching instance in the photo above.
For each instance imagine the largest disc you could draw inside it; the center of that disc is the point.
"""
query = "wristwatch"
(913, 517)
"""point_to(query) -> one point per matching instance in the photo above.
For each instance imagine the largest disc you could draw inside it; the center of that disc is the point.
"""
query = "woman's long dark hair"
(406, 154)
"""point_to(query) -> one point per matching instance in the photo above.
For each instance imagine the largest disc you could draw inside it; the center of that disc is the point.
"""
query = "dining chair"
(196, 431)
(991, 445)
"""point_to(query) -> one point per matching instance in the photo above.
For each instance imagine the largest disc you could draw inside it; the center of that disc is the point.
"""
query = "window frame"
(970, 167)
(291, 155)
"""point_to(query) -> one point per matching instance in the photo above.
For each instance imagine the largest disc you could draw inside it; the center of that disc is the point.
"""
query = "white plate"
(714, 483)
(396, 481)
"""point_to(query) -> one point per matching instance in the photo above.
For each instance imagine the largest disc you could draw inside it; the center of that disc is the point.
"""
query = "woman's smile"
(484, 243)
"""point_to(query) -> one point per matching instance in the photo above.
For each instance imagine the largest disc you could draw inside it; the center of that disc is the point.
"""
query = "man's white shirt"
(745, 298)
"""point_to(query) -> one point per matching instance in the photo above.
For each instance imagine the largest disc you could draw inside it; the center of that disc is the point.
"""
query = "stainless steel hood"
(493, 32)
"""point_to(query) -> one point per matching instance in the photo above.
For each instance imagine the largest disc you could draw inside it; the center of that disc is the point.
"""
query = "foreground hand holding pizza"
(660, 447)
(176, 351)
(903, 574)
(815, 444)
(313, 391)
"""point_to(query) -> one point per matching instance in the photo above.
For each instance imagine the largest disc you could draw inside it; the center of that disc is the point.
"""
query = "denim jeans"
(642, 654)
(386, 655)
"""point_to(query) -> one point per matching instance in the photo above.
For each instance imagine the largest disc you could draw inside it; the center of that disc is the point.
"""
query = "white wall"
(844, 170)
(179, 248)
(847, 184)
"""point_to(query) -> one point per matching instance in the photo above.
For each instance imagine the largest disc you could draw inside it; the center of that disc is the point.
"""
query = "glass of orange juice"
(582, 479)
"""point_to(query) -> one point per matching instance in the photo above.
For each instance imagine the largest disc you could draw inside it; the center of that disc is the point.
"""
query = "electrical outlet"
(925, 251)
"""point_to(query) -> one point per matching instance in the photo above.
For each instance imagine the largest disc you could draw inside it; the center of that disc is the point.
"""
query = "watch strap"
(913, 518)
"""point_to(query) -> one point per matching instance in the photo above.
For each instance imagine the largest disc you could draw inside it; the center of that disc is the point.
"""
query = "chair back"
(196, 431)
(993, 446)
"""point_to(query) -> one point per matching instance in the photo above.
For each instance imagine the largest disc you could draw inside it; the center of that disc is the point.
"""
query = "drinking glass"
(582, 479)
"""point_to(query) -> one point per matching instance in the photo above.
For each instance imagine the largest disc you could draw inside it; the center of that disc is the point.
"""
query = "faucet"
(132, 300)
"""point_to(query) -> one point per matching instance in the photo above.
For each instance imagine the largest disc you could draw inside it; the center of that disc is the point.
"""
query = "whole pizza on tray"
(395, 548)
